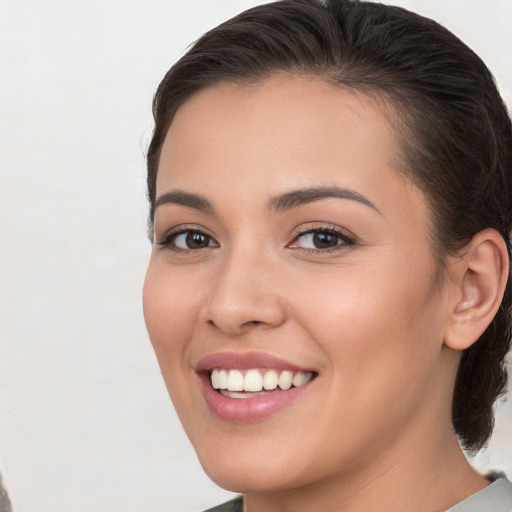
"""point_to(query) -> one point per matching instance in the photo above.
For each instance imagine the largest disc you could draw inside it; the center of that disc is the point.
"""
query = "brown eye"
(322, 240)
(194, 240)
(188, 240)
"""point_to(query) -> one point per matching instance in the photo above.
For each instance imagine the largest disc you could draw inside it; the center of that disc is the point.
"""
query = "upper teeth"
(254, 380)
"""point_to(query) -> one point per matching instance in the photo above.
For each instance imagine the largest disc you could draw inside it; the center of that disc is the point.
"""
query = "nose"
(245, 295)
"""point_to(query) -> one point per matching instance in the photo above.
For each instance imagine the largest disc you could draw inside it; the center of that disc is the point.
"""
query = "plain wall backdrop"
(85, 420)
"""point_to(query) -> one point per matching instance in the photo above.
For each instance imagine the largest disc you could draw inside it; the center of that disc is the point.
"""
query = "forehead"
(256, 141)
(303, 119)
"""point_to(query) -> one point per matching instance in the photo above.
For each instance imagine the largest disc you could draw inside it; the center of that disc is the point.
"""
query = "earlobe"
(481, 277)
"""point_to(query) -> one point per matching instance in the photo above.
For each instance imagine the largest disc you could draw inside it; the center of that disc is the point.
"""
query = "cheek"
(170, 316)
(169, 313)
(374, 322)
(382, 338)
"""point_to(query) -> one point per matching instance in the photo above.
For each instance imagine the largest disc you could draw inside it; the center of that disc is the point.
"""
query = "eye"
(321, 239)
(188, 240)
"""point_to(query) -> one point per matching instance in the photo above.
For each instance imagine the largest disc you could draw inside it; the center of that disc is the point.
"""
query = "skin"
(373, 431)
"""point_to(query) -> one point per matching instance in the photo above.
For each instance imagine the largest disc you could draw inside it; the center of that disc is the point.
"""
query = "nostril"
(251, 323)
(237, 300)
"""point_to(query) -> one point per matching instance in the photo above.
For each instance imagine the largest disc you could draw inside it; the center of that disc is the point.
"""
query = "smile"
(254, 382)
(251, 387)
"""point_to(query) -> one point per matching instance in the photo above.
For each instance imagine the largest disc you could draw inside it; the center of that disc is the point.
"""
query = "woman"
(329, 291)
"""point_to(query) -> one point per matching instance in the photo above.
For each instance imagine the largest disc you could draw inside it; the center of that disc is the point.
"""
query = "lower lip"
(245, 410)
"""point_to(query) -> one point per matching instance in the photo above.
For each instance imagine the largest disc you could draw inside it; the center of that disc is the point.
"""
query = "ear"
(480, 276)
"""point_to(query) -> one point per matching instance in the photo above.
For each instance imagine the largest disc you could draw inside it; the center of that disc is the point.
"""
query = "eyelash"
(167, 240)
(344, 240)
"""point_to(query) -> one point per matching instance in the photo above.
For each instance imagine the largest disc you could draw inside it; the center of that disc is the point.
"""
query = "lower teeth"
(242, 394)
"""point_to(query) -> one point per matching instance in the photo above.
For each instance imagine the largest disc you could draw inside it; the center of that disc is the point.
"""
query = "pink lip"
(245, 361)
(245, 410)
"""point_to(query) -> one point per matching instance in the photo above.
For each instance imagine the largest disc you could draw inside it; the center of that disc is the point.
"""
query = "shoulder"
(496, 497)
(235, 505)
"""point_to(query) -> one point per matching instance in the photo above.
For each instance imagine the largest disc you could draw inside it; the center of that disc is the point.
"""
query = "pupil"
(196, 240)
(323, 240)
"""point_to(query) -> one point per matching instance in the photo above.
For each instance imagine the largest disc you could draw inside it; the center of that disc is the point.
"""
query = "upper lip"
(245, 361)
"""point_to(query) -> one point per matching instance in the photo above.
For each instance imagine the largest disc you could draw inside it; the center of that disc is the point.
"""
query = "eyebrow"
(281, 203)
(182, 198)
(299, 197)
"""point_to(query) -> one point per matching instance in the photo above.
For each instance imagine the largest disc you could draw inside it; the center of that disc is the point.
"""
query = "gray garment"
(496, 497)
(5, 504)
(235, 505)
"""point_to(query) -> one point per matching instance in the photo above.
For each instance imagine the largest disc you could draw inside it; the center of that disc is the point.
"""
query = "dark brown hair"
(456, 135)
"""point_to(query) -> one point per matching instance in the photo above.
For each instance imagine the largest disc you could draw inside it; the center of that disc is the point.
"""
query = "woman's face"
(288, 247)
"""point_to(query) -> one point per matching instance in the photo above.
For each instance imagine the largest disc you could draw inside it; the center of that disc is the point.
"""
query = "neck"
(427, 473)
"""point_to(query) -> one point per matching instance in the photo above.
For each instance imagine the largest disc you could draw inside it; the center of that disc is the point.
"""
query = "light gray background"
(85, 421)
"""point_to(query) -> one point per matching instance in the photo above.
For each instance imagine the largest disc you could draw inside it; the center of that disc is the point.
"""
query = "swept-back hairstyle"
(453, 128)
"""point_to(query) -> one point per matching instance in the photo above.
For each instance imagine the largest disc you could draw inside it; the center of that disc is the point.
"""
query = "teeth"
(240, 394)
(215, 379)
(285, 380)
(223, 379)
(270, 380)
(300, 378)
(235, 381)
(254, 381)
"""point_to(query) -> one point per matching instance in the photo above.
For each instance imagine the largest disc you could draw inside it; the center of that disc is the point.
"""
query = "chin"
(259, 464)
(250, 478)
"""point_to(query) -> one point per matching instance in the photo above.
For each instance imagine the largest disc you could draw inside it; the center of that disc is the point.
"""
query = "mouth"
(248, 387)
(243, 384)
